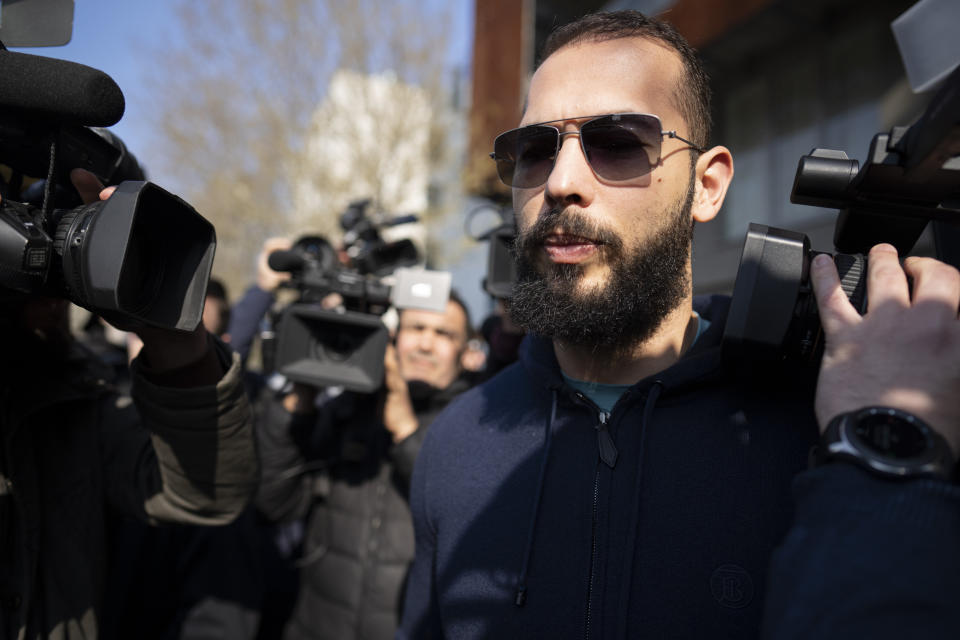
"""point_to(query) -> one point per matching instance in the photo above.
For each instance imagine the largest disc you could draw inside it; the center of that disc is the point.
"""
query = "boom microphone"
(58, 92)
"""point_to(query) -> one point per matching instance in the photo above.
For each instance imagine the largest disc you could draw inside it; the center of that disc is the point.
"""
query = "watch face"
(892, 436)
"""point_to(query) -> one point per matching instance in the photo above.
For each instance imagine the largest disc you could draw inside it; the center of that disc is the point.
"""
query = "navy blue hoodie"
(537, 516)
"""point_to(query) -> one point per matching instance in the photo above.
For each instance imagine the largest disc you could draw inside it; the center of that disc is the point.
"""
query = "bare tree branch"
(238, 103)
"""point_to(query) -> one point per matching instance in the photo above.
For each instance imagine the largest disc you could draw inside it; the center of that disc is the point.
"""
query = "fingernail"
(821, 260)
(884, 248)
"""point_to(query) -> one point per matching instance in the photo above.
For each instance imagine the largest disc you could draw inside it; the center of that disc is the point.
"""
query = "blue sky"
(111, 35)
(116, 36)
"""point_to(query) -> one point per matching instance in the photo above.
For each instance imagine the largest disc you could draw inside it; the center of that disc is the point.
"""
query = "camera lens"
(69, 234)
(773, 313)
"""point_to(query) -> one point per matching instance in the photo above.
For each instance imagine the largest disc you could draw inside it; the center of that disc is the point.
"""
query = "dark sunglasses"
(617, 146)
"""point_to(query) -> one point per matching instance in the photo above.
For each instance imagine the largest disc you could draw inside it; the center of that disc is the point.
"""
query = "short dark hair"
(692, 94)
(217, 290)
(456, 299)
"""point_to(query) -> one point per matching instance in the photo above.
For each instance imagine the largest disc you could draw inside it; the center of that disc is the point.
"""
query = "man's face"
(429, 345)
(581, 236)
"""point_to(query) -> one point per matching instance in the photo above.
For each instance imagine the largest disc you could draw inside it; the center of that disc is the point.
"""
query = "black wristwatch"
(887, 442)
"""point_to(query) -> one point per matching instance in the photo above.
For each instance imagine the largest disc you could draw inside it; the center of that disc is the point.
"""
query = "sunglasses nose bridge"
(560, 139)
(561, 135)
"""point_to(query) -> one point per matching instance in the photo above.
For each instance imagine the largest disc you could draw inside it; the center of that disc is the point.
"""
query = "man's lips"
(420, 362)
(569, 249)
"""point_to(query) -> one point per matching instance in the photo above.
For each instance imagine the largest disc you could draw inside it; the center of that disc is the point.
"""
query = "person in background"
(248, 312)
(344, 463)
(216, 309)
(503, 340)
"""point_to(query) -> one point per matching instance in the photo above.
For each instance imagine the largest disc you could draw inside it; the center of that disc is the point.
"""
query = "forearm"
(867, 557)
(245, 317)
(205, 468)
(183, 360)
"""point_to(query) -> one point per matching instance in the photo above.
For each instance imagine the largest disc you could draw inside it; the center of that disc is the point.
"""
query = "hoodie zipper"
(593, 550)
(605, 446)
(608, 455)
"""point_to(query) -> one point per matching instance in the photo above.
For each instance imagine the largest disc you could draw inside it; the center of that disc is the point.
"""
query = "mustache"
(573, 223)
(422, 358)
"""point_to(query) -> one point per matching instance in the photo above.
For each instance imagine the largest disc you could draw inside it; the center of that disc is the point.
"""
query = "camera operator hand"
(267, 278)
(398, 414)
(176, 358)
(903, 353)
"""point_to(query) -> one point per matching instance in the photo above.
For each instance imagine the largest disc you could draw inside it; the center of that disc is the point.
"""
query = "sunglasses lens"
(620, 147)
(525, 156)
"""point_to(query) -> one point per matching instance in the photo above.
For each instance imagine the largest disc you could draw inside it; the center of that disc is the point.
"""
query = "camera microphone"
(286, 260)
(58, 92)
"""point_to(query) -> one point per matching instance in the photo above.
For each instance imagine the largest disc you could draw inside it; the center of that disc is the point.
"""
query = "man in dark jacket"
(617, 482)
(346, 466)
(180, 448)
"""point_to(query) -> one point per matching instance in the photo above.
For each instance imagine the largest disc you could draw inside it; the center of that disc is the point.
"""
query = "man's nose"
(425, 340)
(571, 181)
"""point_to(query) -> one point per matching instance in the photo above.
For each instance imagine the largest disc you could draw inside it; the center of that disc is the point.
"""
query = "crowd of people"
(597, 470)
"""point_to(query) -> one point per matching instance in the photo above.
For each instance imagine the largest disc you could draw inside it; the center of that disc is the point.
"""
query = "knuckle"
(885, 270)
(945, 272)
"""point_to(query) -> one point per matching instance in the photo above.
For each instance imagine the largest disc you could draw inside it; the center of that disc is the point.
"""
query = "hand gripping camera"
(142, 257)
(911, 176)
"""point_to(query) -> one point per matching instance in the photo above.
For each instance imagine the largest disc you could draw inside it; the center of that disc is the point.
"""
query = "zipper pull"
(608, 450)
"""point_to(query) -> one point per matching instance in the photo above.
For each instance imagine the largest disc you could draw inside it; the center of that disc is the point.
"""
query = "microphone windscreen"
(58, 92)
(285, 261)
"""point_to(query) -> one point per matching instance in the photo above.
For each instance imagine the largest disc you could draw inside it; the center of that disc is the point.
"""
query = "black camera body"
(345, 347)
(142, 257)
(365, 246)
(911, 177)
(501, 265)
(498, 229)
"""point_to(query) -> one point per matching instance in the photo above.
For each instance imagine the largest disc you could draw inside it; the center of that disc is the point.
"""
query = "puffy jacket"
(539, 516)
(71, 444)
(341, 470)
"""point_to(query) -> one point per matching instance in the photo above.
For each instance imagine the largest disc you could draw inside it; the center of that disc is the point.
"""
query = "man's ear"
(713, 175)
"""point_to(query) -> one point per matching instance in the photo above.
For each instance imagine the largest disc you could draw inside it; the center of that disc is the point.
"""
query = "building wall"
(502, 59)
(791, 77)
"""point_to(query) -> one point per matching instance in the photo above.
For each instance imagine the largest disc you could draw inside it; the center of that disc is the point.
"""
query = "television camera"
(911, 176)
(141, 257)
(345, 347)
(501, 268)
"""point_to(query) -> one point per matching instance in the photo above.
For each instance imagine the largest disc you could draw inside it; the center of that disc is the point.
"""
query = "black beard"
(643, 288)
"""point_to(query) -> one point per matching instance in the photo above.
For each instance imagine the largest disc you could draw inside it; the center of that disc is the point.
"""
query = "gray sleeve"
(194, 463)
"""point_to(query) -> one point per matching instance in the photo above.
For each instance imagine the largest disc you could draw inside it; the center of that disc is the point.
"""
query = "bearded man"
(617, 482)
